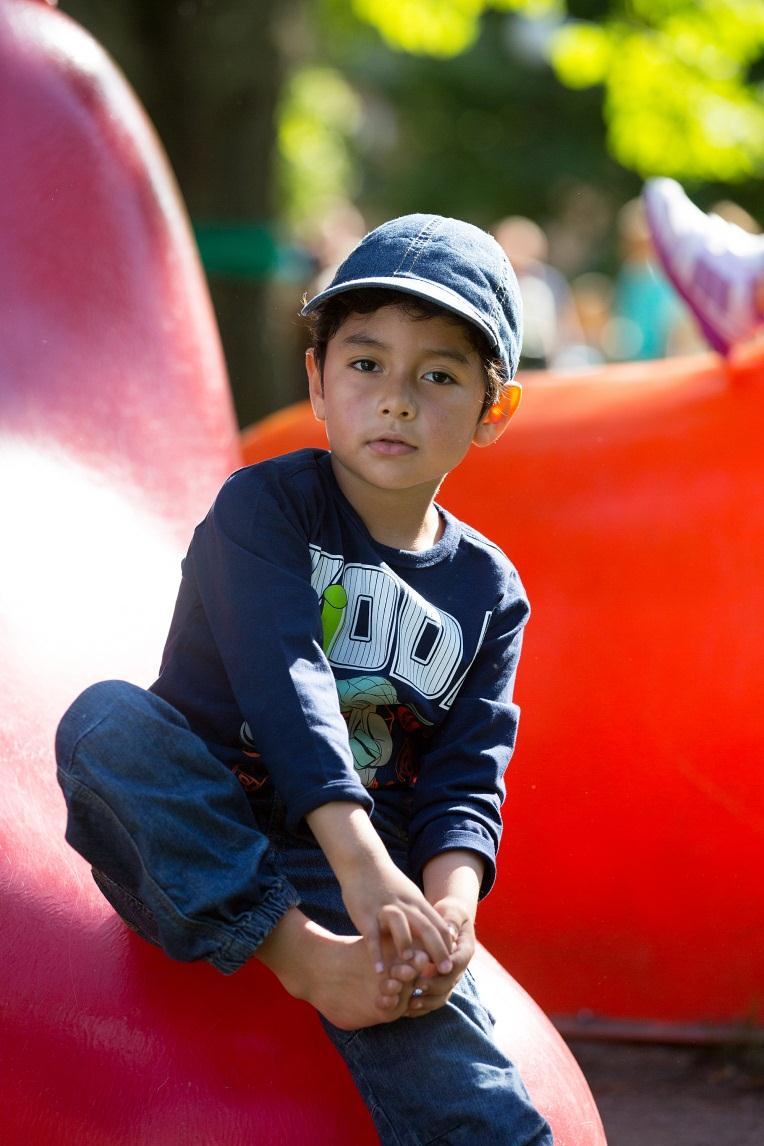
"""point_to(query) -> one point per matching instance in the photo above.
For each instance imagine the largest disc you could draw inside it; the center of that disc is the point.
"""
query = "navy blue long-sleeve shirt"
(308, 655)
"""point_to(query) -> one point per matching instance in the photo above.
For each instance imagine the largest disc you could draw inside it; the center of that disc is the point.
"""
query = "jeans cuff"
(254, 928)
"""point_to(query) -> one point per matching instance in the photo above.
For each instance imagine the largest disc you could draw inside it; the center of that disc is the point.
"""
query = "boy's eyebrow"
(367, 340)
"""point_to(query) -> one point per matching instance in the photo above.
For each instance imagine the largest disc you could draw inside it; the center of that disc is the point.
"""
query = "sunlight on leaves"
(317, 118)
(679, 94)
(430, 27)
(439, 27)
(667, 114)
(678, 100)
(580, 54)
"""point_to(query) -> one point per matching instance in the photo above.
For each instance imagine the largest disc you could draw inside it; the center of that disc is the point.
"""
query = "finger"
(416, 1001)
(433, 993)
(418, 965)
(453, 926)
(425, 996)
(375, 949)
(394, 921)
(403, 973)
(439, 986)
(437, 945)
(421, 961)
(428, 970)
(447, 926)
(387, 1002)
(434, 933)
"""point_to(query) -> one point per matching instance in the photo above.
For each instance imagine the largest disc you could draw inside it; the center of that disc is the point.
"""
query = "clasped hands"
(419, 950)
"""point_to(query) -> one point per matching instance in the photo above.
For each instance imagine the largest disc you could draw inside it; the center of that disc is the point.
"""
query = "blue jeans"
(197, 867)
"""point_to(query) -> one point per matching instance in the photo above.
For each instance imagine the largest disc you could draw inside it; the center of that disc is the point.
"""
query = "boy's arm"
(456, 825)
(257, 637)
(378, 896)
(452, 882)
(452, 879)
(460, 786)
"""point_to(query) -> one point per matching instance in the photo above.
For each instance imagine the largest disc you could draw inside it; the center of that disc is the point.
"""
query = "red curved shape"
(631, 499)
(116, 430)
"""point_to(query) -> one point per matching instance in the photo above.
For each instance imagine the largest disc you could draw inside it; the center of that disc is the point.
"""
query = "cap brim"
(420, 288)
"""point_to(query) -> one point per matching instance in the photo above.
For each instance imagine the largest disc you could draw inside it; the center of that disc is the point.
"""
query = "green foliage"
(438, 27)
(488, 133)
(581, 54)
(318, 115)
(678, 100)
(678, 95)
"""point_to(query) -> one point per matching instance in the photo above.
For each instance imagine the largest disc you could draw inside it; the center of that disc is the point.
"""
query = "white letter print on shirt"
(384, 623)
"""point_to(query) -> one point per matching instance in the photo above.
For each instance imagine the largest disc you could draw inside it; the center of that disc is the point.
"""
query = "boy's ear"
(496, 419)
(315, 385)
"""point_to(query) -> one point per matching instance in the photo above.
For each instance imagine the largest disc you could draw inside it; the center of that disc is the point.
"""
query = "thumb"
(453, 917)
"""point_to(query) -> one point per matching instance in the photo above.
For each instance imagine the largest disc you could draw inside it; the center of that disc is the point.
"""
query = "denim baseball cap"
(446, 261)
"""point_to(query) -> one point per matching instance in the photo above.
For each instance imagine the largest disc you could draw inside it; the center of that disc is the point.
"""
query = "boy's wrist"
(454, 877)
(456, 908)
(347, 837)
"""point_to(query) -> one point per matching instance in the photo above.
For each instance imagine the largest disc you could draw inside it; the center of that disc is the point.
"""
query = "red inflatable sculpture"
(116, 430)
(631, 500)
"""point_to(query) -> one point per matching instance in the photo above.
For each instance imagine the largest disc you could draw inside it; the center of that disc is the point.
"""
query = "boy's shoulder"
(481, 553)
(293, 485)
(481, 542)
(481, 547)
(282, 468)
(291, 476)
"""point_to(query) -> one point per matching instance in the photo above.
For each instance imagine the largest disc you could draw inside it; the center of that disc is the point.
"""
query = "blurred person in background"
(732, 212)
(715, 261)
(593, 299)
(551, 322)
(648, 316)
(333, 238)
(580, 229)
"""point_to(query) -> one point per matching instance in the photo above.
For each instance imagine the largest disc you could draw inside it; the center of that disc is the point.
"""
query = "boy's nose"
(397, 402)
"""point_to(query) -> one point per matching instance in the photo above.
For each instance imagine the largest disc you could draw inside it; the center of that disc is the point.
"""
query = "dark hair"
(328, 317)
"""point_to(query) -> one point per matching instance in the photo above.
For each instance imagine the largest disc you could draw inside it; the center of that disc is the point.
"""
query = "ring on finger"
(417, 992)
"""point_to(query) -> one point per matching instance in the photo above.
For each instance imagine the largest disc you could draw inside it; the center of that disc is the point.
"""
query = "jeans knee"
(87, 712)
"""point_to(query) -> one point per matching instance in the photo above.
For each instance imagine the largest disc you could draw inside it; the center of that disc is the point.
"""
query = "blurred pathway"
(676, 1096)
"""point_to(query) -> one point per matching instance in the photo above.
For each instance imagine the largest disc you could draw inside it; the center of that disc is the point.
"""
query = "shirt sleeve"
(252, 564)
(460, 787)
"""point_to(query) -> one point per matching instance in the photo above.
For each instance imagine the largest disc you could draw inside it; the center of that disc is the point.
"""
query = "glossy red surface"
(631, 500)
(116, 430)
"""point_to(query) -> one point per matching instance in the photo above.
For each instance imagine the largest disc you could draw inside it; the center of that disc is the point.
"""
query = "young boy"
(337, 634)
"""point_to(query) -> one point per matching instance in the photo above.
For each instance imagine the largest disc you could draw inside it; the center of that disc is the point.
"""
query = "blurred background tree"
(294, 124)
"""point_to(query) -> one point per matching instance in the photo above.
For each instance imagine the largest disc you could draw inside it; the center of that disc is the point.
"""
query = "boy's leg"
(442, 1078)
(167, 828)
(439, 1078)
(179, 853)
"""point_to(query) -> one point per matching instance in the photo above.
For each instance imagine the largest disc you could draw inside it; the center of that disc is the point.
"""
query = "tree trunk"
(209, 74)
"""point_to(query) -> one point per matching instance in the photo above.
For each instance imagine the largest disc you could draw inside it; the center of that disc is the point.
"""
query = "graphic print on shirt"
(373, 714)
(372, 620)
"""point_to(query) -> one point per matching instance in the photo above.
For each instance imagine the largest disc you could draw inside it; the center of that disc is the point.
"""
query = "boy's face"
(402, 399)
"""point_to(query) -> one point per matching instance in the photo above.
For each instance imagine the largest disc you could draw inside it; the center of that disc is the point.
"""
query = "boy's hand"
(436, 987)
(380, 900)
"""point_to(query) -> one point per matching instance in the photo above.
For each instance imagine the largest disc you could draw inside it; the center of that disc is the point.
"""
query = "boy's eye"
(365, 365)
(439, 377)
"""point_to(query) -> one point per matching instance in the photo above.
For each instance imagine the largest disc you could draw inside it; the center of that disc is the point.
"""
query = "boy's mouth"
(390, 445)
